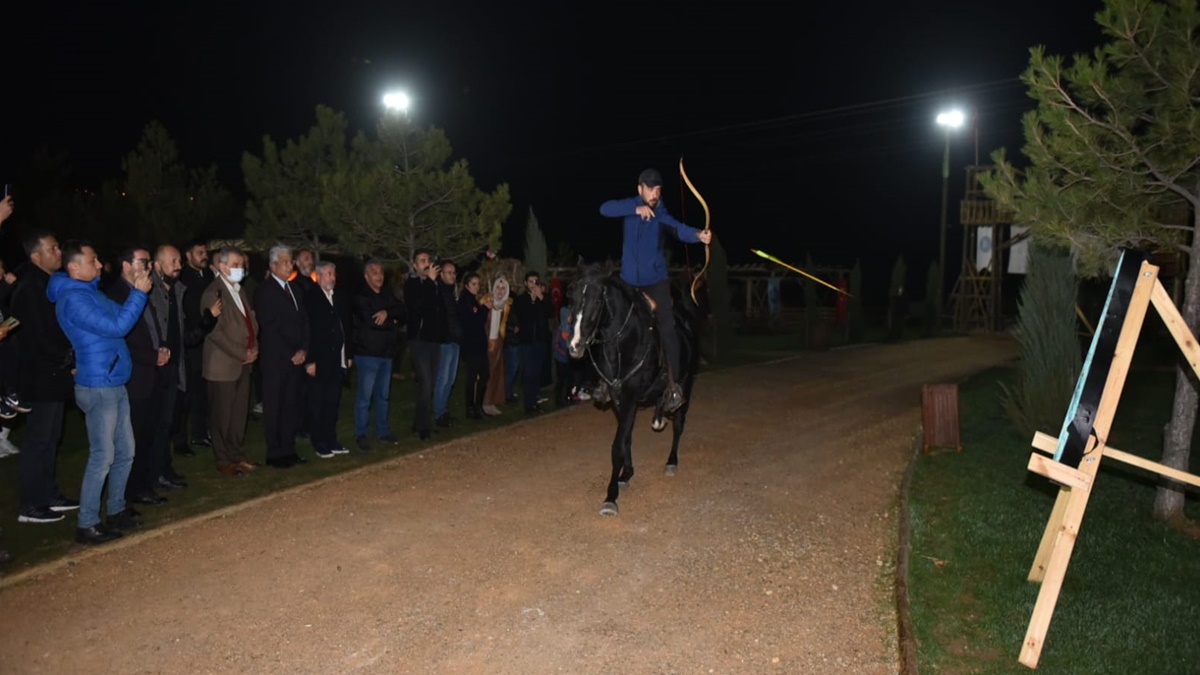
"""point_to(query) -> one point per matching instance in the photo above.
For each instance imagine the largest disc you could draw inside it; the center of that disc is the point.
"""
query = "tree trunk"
(1177, 437)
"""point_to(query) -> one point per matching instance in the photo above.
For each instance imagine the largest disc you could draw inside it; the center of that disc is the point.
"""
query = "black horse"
(613, 325)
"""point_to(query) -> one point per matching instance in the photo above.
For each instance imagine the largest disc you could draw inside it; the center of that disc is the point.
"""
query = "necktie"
(288, 287)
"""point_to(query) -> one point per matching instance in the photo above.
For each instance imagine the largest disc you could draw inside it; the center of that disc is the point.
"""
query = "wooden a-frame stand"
(1090, 429)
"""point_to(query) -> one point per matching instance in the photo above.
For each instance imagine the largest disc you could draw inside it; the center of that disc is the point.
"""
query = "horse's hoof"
(609, 509)
(658, 424)
(670, 470)
(623, 484)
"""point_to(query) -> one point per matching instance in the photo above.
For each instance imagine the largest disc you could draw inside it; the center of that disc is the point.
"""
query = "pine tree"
(1114, 152)
(1051, 356)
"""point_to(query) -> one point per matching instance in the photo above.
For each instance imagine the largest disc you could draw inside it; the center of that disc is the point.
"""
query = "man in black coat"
(196, 277)
(147, 387)
(46, 382)
(426, 328)
(283, 349)
(330, 355)
(377, 315)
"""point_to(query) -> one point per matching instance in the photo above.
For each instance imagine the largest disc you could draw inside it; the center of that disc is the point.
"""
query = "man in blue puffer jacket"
(644, 263)
(96, 327)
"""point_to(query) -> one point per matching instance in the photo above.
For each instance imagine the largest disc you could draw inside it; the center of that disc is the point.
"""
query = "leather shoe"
(207, 442)
(246, 466)
(281, 462)
(150, 498)
(231, 470)
(96, 534)
(128, 519)
(170, 483)
(184, 451)
(297, 459)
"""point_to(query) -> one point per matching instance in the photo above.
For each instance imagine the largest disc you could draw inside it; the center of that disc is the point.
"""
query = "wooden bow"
(707, 227)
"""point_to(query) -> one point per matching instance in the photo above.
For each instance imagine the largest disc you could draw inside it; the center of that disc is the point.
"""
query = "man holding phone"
(95, 325)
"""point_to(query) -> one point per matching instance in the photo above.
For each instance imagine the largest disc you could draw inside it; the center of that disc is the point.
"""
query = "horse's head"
(587, 297)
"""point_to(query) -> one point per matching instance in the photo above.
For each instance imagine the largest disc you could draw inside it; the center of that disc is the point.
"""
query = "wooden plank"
(1059, 473)
(1046, 443)
(1178, 327)
(1037, 571)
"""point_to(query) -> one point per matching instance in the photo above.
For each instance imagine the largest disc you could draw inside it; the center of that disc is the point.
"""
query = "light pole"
(951, 120)
(396, 100)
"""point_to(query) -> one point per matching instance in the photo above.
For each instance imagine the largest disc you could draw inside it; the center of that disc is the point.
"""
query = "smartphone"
(11, 322)
(7, 189)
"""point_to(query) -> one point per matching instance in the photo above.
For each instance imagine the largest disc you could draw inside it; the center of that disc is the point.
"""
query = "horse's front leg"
(622, 464)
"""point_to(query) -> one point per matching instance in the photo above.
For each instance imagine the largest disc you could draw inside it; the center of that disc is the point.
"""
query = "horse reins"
(615, 383)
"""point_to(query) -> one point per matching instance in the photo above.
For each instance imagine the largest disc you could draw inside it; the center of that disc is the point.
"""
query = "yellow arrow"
(777, 261)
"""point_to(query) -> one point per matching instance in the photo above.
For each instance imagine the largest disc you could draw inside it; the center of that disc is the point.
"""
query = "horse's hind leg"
(622, 463)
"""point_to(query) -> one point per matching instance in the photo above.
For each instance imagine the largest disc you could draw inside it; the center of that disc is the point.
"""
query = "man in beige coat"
(229, 350)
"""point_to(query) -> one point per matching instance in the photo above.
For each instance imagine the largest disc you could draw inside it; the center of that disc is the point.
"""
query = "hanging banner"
(983, 248)
(1018, 254)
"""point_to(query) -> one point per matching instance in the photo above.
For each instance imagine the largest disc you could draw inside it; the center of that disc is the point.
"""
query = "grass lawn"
(1131, 596)
(208, 491)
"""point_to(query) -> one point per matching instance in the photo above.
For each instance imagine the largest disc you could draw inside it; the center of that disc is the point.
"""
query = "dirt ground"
(772, 550)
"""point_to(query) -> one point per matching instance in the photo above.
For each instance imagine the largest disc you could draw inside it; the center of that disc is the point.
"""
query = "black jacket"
(282, 324)
(328, 333)
(533, 319)
(370, 339)
(46, 354)
(426, 310)
(143, 344)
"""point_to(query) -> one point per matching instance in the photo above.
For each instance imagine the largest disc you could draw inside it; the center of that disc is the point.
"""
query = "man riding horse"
(644, 263)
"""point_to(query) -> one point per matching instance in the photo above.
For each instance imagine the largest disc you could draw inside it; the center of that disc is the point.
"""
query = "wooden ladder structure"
(1082, 443)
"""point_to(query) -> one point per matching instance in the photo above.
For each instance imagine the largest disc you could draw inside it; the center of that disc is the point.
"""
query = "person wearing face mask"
(229, 351)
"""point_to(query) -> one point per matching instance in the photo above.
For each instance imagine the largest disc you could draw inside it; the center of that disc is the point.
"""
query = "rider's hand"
(645, 212)
(705, 236)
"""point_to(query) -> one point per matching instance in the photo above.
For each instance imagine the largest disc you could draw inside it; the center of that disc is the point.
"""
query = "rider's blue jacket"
(643, 260)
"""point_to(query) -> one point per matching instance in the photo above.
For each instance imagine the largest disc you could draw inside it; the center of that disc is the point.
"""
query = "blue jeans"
(110, 450)
(374, 384)
(447, 372)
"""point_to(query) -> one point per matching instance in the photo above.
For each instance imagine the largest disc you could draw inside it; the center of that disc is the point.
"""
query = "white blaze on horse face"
(576, 332)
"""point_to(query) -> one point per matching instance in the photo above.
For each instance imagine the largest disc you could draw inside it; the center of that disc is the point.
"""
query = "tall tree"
(397, 194)
(285, 184)
(536, 258)
(173, 203)
(1114, 160)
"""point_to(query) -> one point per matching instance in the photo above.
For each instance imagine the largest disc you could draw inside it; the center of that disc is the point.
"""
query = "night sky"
(807, 131)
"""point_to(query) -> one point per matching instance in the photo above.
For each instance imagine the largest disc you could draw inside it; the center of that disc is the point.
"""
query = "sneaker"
(389, 439)
(363, 444)
(7, 412)
(62, 504)
(39, 514)
(15, 403)
(7, 448)
(339, 450)
(324, 454)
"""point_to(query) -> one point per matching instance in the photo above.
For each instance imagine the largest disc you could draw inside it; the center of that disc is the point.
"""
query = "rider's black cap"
(650, 178)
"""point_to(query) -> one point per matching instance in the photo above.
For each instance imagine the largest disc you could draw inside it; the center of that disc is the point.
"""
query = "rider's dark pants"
(661, 293)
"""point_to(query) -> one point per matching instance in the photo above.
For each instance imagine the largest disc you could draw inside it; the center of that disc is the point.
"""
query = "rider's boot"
(673, 396)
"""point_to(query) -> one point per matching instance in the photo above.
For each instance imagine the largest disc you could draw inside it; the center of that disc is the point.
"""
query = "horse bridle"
(614, 384)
